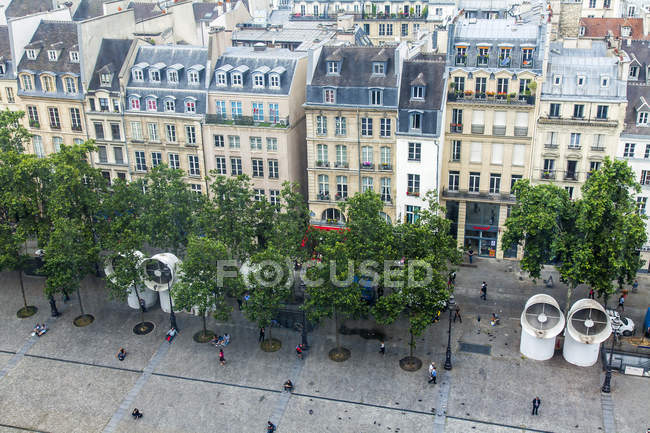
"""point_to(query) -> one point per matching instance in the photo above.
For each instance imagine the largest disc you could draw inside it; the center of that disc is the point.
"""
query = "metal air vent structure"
(587, 326)
(541, 322)
(160, 274)
(150, 297)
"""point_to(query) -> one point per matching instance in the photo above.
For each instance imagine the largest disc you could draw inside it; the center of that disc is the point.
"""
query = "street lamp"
(451, 304)
(616, 326)
(172, 316)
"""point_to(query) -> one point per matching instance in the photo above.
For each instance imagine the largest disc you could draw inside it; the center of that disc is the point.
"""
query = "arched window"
(333, 215)
(134, 103)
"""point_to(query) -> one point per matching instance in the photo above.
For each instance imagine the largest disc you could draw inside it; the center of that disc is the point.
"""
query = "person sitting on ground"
(42, 329)
(495, 319)
(226, 339)
(288, 385)
(171, 334)
(270, 427)
(136, 413)
(219, 341)
(121, 354)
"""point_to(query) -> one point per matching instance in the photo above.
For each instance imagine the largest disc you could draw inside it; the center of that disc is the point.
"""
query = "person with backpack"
(299, 351)
(433, 373)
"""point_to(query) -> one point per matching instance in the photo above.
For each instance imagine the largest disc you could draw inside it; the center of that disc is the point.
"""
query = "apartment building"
(8, 84)
(105, 108)
(494, 67)
(634, 145)
(351, 115)
(419, 133)
(50, 88)
(582, 111)
(256, 122)
(165, 104)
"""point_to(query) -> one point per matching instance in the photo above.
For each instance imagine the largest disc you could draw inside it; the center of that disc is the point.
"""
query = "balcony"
(387, 199)
(478, 129)
(574, 147)
(77, 128)
(461, 60)
(551, 146)
(322, 163)
(521, 131)
(456, 128)
(413, 193)
(547, 174)
(34, 124)
(570, 175)
(340, 197)
(55, 126)
(598, 148)
(491, 98)
(384, 16)
(498, 130)
(463, 193)
(324, 196)
(482, 60)
(268, 122)
(527, 63)
(504, 62)
(367, 166)
(385, 167)
(341, 164)
(577, 121)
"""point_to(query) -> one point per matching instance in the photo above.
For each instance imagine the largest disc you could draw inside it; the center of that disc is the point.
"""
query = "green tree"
(338, 294)
(201, 285)
(594, 239)
(230, 216)
(269, 284)
(70, 255)
(291, 222)
(420, 283)
(13, 134)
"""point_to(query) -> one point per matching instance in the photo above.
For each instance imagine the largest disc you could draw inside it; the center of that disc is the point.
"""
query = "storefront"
(482, 228)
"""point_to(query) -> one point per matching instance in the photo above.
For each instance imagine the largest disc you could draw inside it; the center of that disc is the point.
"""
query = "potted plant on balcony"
(468, 93)
(501, 95)
(385, 166)
(546, 174)
(367, 163)
(337, 196)
(34, 124)
(490, 94)
(411, 11)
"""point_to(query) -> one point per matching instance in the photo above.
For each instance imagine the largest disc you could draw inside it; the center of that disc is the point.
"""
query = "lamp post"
(172, 316)
(451, 304)
(608, 376)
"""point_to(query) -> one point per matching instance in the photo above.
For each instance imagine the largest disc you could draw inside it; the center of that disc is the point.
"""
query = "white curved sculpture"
(588, 325)
(150, 297)
(160, 274)
(541, 322)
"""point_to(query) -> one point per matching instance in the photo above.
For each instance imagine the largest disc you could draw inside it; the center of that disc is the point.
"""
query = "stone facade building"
(255, 123)
(490, 118)
(8, 83)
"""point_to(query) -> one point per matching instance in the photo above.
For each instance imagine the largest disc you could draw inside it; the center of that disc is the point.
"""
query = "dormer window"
(26, 81)
(137, 75)
(604, 81)
(378, 68)
(236, 79)
(192, 77)
(172, 76)
(626, 31)
(329, 96)
(222, 80)
(583, 30)
(52, 55)
(634, 72)
(581, 81)
(154, 75)
(170, 105)
(190, 106)
(274, 81)
(152, 104)
(3, 69)
(47, 84)
(333, 68)
(258, 80)
(417, 92)
(31, 54)
(642, 118)
(105, 79)
(557, 80)
(74, 56)
(70, 85)
(376, 97)
(134, 103)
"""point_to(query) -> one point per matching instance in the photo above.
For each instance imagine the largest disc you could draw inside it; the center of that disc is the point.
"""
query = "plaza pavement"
(70, 380)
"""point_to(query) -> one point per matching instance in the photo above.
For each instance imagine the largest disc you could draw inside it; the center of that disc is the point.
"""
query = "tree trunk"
(270, 333)
(81, 307)
(137, 294)
(569, 292)
(205, 329)
(336, 330)
(411, 344)
(22, 286)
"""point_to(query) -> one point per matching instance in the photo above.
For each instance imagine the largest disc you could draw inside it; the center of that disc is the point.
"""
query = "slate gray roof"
(635, 93)
(111, 57)
(639, 52)
(356, 68)
(89, 9)
(21, 8)
(53, 34)
(181, 58)
(205, 11)
(590, 63)
(144, 11)
(272, 58)
(5, 54)
(282, 35)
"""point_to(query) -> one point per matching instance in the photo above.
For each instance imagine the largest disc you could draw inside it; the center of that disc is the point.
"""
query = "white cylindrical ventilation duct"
(587, 326)
(150, 297)
(160, 274)
(541, 322)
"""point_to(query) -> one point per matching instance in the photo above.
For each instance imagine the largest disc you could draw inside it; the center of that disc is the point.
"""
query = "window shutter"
(478, 117)
(521, 119)
(518, 151)
(497, 153)
(475, 152)
(500, 118)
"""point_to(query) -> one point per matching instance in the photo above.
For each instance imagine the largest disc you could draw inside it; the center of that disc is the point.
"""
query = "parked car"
(621, 325)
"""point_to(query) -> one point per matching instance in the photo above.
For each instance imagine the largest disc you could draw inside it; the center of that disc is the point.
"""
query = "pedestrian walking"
(382, 348)
(433, 373)
(261, 338)
(239, 303)
(222, 358)
(621, 302)
(536, 403)
(592, 293)
(270, 427)
(136, 414)
(470, 253)
(484, 291)
(299, 351)
(457, 314)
